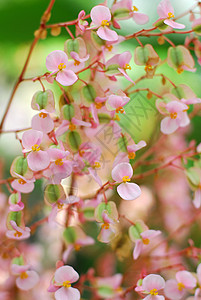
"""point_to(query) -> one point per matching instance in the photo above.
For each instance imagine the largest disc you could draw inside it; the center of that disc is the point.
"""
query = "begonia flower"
(101, 18)
(26, 279)
(122, 173)
(56, 63)
(151, 284)
(18, 233)
(42, 122)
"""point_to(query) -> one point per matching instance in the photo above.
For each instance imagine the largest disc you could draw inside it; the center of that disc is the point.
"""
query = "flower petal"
(129, 191)
(174, 24)
(153, 281)
(38, 160)
(107, 34)
(54, 59)
(66, 77)
(29, 282)
(140, 18)
(65, 273)
(42, 124)
(169, 125)
(100, 13)
(121, 170)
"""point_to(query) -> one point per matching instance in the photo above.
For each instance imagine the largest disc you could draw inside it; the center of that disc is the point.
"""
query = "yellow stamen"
(67, 284)
(17, 234)
(117, 118)
(119, 289)
(60, 205)
(186, 109)
(127, 67)
(153, 292)
(23, 275)
(125, 179)
(81, 152)
(135, 8)
(180, 70)
(120, 109)
(21, 181)
(98, 105)
(72, 127)
(148, 68)
(42, 115)
(173, 115)
(105, 226)
(59, 162)
(77, 247)
(109, 47)
(61, 66)
(96, 164)
(180, 286)
(131, 155)
(35, 148)
(105, 23)
(170, 15)
(76, 62)
(145, 241)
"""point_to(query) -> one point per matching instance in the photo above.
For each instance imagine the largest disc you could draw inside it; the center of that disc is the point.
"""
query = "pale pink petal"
(184, 121)
(176, 106)
(199, 273)
(124, 58)
(136, 147)
(75, 67)
(100, 13)
(121, 170)
(22, 188)
(66, 77)
(157, 297)
(54, 59)
(171, 290)
(38, 160)
(16, 207)
(150, 234)
(186, 278)
(137, 249)
(140, 18)
(107, 34)
(94, 113)
(120, 158)
(129, 191)
(67, 252)
(153, 281)
(65, 273)
(31, 137)
(169, 125)
(55, 154)
(122, 71)
(115, 101)
(29, 282)
(76, 56)
(164, 8)
(62, 128)
(106, 235)
(80, 122)
(174, 24)
(17, 269)
(95, 176)
(42, 124)
(67, 294)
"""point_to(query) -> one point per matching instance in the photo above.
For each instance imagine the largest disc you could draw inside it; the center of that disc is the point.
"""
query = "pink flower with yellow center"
(18, 233)
(152, 284)
(26, 278)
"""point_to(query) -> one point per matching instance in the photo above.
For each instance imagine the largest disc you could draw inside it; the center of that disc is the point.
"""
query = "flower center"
(81, 152)
(148, 68)
(98, 105)
(153, 292)
(173, 115)
(76, 62)
(120, 109)
(135, 8)
(23, 275)
(180, 286)
(42, 115)
(96, 165)
(77, 247)
(35, 148)
(109, 47)
(131, 155)
(105, 23)
(180, 70)
(125, 179)
(170, 15)
(58, 162)
(67, 284)
(72, 127)
(105, 226)
(145, 241)
(127, 67)
(61, 66)
(21, 181)
(117, 118)
(60, 205)
(17, 234)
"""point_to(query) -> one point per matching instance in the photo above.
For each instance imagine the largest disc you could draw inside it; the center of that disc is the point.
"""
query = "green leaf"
(89, 93)
(74, 140)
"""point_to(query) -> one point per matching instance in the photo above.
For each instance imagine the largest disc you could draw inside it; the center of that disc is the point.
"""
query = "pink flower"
(177, 117)
(15, 203)
(27, 278)
(22, 184)
(77, 63)
(166, 12)
(109, 287)
(101, 18)
(82, 24)
(71, 125)
(42, 122)
(151, 284)
(135, 147)
(108, 229)
(122, 60)
(56, 63)
(122, 173)
(63, 278)
(116, 102)
(18, 233)
(37, 159)
(175, 289)
(130, 12)
(146, 237)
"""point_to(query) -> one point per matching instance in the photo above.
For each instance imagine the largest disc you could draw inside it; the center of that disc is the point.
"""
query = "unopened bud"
(161, 40)
(55, 31)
